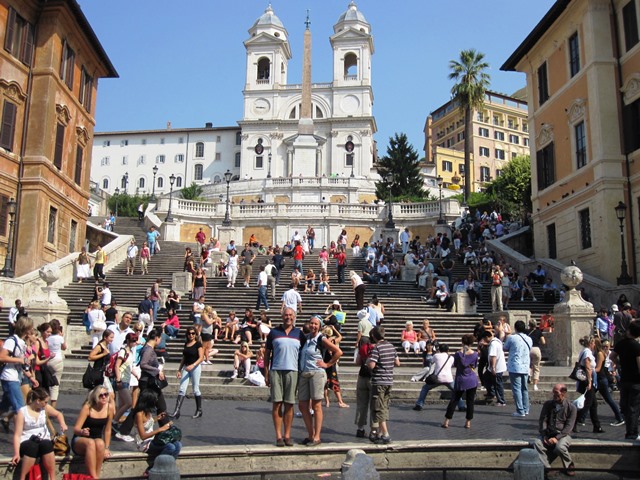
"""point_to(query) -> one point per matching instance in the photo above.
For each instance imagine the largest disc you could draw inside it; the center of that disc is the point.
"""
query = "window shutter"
(63, 59)
(4, 215)
(8, 127)
(78, 172)
(26, 56)
(11, 28)
(57, 157)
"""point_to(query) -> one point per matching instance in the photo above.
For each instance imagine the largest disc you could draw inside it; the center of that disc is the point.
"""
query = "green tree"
(403, 163)
(468, 92)
(125, 204)
(192, 192)
(510, 193)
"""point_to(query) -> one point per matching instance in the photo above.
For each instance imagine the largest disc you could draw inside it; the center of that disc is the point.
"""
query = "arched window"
(237, 165)
(238, 138)
(160, 182)
(178, 182)
(200, 149)
(141, 182)
(350, 66)
(319, 112)
(197, 172)
(105, 184)
(217, 179)
(264, 68)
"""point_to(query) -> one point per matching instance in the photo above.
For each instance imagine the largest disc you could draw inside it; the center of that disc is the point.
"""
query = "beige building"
(500, 133)
(582, 63)
(49, 71)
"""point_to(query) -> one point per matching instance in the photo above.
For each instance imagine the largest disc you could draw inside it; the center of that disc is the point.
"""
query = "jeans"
(312, 243)
(341, 273)
(156, 307)
(496, 386)
(155, 450)
(630, 403)
(603, 388)
(171, 330)
(520, 391)
(426, 388)
(298, 264)
(152, 248)
(194, 375)
(262, 298)
(11, 397)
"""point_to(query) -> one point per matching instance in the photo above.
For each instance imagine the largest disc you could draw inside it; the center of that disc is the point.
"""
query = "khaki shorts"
(245, 270)
(311, 385)
(283, 386)
(380, 400)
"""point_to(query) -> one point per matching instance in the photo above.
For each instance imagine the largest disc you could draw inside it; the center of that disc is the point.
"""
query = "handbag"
(433, 378)
(172, 434)
(61, 445)
(92, 377)
(160, 384)
(578, 373)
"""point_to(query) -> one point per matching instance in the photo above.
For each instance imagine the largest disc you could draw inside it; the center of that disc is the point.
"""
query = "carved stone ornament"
(245, 136)
(334, 133)
(63, 114)
(12, 91)
(49, 274)
(577, 110)
(365, 133)
(545, 136)
(573, 302)
(83, 136)
(276, 135)
(631, 88)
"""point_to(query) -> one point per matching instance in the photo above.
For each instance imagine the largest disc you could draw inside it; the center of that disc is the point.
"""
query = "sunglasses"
(103, 395)
(191, 333)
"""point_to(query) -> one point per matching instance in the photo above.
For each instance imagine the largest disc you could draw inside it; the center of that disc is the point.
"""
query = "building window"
(483, 132)
(581, 145)
(631, 126)
(498, 172)
(179, 158)
(585, 228)
(199, 150)
(259, 161)
(19, 37)
(77, 177)
(546, 167)
(105, 184)
(73, 232)
(484, 152)
(238, 138)
(237, 160)
(543, 84)
(218, 139)
(485, 174)
(104, 162)
(574, 54)
(349, 160)
(53, 219)
(447, 166)
(4, 215)
(106, 143)
(498, 135)
(162, 141)
(514, 139)
(86, 89)
(124, 143)
(59, 149)
(461, 168)
(125, 160)
(141, 183)
(264, 68)
(8, 127)
(630, 23)
(160, 182)
(143, 141)
(180, 139)
(123, 183)
(525, 141)
(499, 154)
(178, 182)
(551, 240)
(67, 64)
(142, 160)
(197, 172)
(160, 159)
(218, 156)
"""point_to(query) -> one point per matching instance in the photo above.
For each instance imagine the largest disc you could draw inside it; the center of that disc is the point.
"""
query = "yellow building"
(582, 63)
(500, 133)
(49, 71)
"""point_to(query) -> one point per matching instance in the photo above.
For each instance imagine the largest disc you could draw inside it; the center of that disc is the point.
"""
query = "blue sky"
(184, 62)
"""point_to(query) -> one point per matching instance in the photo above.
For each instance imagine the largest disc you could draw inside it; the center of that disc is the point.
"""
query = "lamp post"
(390, 223)
(268, 171)
(440, 182)
(7, 271)
(227, 220)
(172, 180)
(116, 192)
(624, 278)
(153, 189)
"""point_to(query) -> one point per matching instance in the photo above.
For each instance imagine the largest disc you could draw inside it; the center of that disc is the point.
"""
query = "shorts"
(206, 337)
(35, 447)
(284, 384)
(380, 400)
(311, 385)
(245, 270)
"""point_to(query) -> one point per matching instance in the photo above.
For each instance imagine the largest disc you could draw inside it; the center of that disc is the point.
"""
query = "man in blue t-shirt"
(281, 362)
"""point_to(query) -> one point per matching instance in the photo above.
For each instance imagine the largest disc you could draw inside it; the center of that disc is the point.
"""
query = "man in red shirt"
(200, 239)
(341, 259)
(298, 256)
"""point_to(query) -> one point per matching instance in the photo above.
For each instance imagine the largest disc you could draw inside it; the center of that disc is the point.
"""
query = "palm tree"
(468, 92)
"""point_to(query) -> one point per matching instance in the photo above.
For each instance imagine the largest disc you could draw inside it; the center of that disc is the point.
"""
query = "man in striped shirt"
(381, 361)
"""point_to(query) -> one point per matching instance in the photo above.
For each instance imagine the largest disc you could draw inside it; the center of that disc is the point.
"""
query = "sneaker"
(518, 414)
(361, 433)
(235, 374)
(500, 404)
(417, 408)
(373, 436)
(124, 438)
(267, 309)
(617, 424)
(535, 387)
(385, 439)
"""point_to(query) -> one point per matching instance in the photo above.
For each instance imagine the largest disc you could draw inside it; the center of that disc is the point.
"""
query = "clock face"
(261, 106)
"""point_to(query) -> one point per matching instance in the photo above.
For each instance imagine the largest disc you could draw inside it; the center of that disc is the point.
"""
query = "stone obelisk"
(305, 145)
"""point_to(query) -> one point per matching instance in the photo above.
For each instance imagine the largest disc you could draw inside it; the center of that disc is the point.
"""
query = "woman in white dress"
(98, 323)
(232, 269)
(56, 346)
(83, 266)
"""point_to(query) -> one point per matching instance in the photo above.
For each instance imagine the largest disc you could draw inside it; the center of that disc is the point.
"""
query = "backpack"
(110, 369)
(13, 353)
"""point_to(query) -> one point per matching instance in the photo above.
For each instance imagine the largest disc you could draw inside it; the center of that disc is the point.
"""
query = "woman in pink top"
(410, 339)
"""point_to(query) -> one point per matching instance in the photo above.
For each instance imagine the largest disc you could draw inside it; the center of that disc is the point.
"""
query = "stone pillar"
(170, 231)
(512, 316)
(573, 320)
(462, 303)
(226, 234)
(358, 466)
(528, 465)
(392, 233)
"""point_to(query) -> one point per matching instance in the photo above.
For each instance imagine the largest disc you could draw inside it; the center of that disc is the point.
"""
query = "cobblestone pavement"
(227, 422)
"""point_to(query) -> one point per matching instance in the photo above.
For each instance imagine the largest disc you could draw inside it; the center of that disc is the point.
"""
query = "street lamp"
(116, 192)
(269, 171)
(624, 278)
(440, 182)
(7, 271)
(153, 190)
(172, 180)
(227, 220)
(390, 223)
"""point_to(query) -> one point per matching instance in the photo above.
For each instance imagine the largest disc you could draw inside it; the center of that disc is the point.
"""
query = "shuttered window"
(57, 156)
(19, 37)
(78, 171)
(8, 128)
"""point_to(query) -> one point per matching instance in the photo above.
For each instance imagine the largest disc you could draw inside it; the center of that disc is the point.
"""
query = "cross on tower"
(307, 22)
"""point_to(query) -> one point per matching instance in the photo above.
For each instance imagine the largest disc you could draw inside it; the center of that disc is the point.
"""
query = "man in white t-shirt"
(262, 289)
(12, 354)
(404, 240)
(291, 299)
(271, 272)
(496, 368)
(105, 299)
(13, 315)
(132, 253)
(120, 332)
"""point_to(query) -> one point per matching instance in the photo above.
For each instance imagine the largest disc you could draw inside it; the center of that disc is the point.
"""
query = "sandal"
(288, 442)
